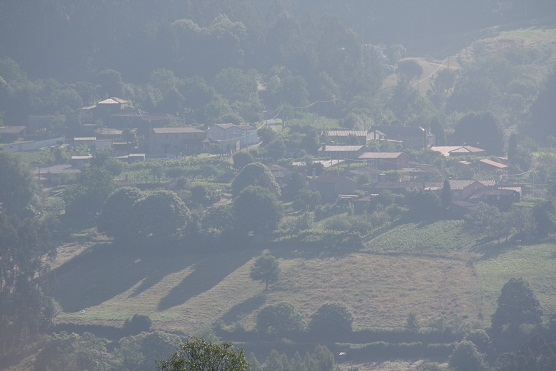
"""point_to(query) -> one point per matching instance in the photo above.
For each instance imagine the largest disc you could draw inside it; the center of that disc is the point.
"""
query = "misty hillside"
(326, 185)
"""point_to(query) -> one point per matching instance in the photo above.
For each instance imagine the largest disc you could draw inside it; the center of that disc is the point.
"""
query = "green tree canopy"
(16, 184)
(279, 319)
(466, 357)
(480, 130)
(86, 197)
(256, 210)
(517, 305)
(202, 355)
(265, 269)
(115, 216)
(241, 159)
(543, 111)
(331, 320)
(160, 215)
(25, 309)
(255, 174)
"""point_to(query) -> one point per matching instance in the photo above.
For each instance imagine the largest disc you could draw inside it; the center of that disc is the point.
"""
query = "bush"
(137, 324)
(279, 319)
(466, 357)
(331, 320)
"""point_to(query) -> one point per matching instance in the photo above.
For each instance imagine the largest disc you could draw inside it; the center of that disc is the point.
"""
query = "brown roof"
(177, 130)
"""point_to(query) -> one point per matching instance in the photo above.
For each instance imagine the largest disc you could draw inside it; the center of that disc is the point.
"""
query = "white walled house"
(231, 137)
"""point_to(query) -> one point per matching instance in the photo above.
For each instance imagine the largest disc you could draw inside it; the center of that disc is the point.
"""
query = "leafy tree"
(279, 319)
(160, 215)
(256, 210)
(331, 320)
(307, 199)
(480, 338)
(446, 196)
(536, 354)
(481, 130)
(86, 197)
(466, 357)
(25, 307)
(235, 85)
(68, 352)
(241, 159)
(255, 174)
(423, 205)
(204, 195)
(410, 68)
(265, 269)
(543, 111)
(544, 214)
(115, 216)
(137, 324)
(142, 352)
(517, 305)
(199, 354)
(295, 183)
(16, 184)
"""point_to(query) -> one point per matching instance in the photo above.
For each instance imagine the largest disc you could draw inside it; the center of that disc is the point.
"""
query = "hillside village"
(295, 185)
(342, 156)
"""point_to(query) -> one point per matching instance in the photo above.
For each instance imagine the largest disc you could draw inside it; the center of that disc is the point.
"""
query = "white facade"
(228, 135)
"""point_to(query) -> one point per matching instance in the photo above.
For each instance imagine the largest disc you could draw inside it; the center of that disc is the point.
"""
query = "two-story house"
(176, 140)
(231, 137)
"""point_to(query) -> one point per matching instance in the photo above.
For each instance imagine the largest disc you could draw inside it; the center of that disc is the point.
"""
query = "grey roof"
(328, 148)
(177, 130)
(346, 133)
(11, 129)
(380, 155)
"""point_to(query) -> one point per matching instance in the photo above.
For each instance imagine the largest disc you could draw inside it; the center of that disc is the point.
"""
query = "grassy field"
(188, 292)
(442, 236)
(536, 264)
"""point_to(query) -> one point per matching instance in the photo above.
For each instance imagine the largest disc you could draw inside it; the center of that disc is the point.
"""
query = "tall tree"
(543, 111)
(446, 196)
(25, 308)
(481, 130)
(16, 184)
(265, 269)
(517, 305)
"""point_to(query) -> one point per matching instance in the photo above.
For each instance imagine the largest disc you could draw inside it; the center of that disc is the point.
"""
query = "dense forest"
(390, 196)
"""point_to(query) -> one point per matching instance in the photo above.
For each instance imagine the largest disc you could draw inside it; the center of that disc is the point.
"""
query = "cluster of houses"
(349, 146)
(162, 136)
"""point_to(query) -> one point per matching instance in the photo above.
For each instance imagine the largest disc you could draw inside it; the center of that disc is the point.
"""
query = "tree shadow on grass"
(106, 270)
(207, 274)
(238, 311)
